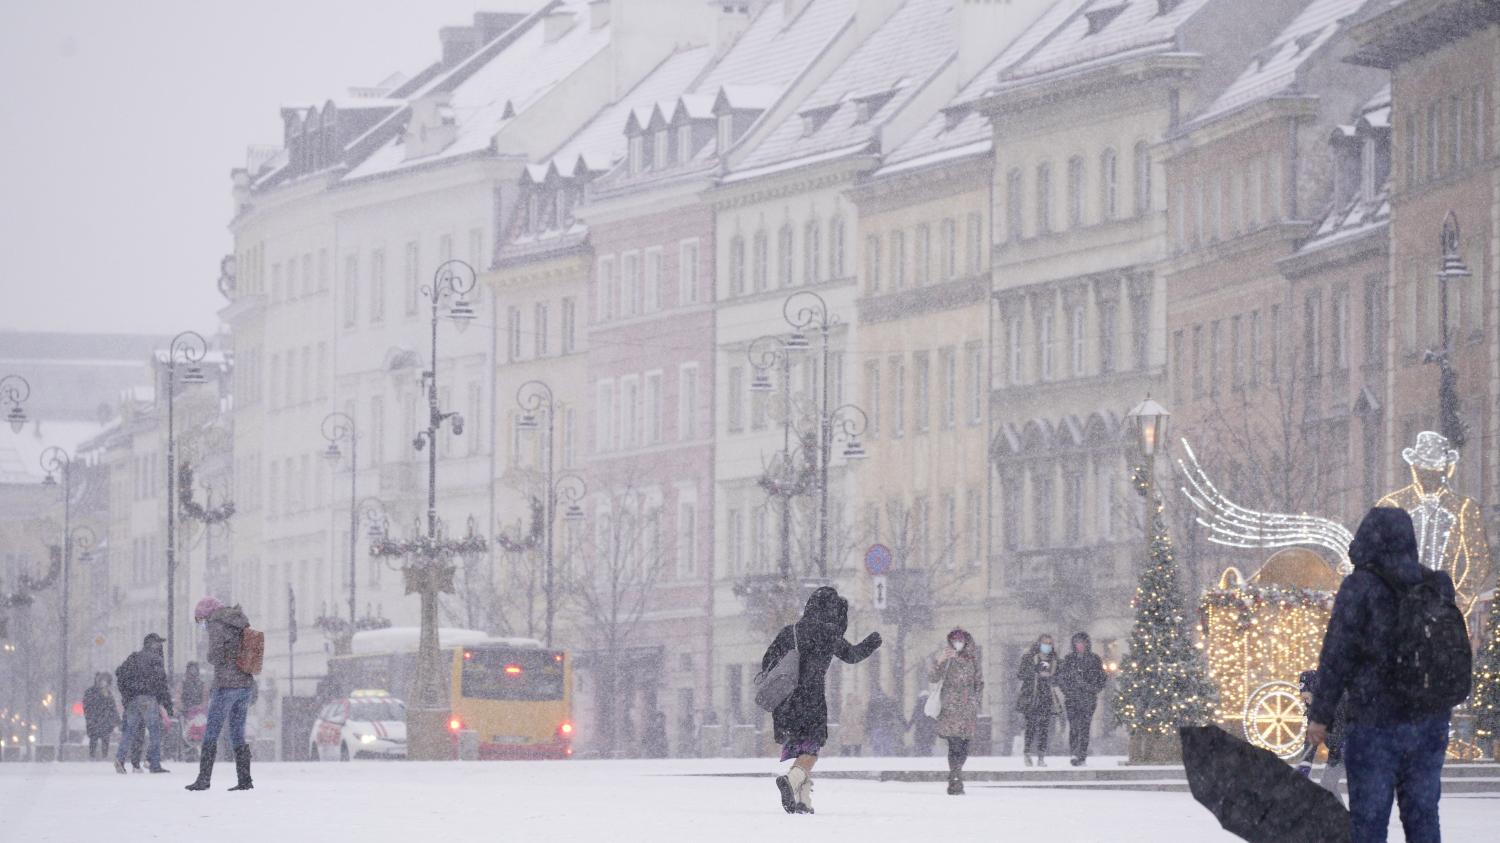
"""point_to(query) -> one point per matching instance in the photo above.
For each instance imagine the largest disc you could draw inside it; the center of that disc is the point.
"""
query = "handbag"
(773, 686)
(934, 705)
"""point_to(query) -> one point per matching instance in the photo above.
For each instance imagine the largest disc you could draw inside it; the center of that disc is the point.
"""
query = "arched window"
(811, 252)
(1075, 191)
(1142, 178)
(836, 247)
(1108, 185)
(1013, 200)
(760, 261)
(1043, 198)
(784, 256)
(737, 266)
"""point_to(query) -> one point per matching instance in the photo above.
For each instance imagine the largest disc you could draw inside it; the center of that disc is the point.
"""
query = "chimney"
(598, 13)
(986, 27)
(731, 19)
(459, 42)
(557, 24)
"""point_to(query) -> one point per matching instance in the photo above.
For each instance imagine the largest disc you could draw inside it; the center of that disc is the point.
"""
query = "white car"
(365, 724)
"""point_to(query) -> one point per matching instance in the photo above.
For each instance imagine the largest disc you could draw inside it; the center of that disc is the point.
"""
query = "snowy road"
(657, 801)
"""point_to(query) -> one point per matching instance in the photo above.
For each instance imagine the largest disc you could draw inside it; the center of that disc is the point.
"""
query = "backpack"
(1431, 663)
(773, 686)
(252, 651)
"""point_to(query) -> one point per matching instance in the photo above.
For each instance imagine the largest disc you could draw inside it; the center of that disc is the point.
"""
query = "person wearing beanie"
(230, 696)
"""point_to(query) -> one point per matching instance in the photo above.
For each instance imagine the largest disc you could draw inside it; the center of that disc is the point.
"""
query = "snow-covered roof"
(877, 80)
(21, 454)
(969, 134)
(1127, 27)
(1029, 41)
(1275, 69)
(1361, 214)
(489, 96)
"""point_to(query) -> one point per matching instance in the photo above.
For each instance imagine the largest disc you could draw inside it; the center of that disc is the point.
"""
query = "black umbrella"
(1257, 796)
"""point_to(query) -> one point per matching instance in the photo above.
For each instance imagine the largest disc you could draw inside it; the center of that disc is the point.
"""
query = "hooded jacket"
(819, 637)
(144, 674)
(963, 684)
(1358, 646)
(1081, 676)
(224, 628)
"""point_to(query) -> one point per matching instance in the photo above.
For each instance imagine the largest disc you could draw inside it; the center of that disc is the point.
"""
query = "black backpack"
(1431, 663)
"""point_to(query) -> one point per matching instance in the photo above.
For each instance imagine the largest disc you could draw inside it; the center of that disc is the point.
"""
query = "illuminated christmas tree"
(1485, 701)
(1163, 683)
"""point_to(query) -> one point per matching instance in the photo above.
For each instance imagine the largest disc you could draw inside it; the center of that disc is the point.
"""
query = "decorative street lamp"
(429, 569)
(339, 427)
(55, 460)
(536, 397)
(786, 483)
(14, 390)
(1451, 269)
(190, 348)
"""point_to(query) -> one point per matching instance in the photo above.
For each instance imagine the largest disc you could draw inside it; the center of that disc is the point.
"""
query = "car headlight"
(366, 738)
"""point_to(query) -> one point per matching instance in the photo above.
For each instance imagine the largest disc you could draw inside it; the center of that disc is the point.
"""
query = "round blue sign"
(878, 560)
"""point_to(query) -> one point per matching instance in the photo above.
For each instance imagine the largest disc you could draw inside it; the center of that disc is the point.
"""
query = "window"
(377, 431)
(1043, 199)
(760, 405)
(950, 249)
(274, 387)
(1236, 221)
(1214, 355)
(322, 371)
(351, 291)
(291, 278)
(569, 325)
(975, 243)
(289, 398)
(1179, 217)
(898, 396)
(632, 293)
(1104, 489)
(687, 538)
(922, 391)
(322, 270)
(659, 150)
(609, 290)
(687, 272)
(654, 294)
(539, 320)
(630, 412)
(1200, 211)
(684, 143)
(472, 420)
(1108, 332)
(1041, 483)
(761, 262)
(1016, 350)
(974, 525)
(687, 402)
(736, 398)
(811, 257)
(1340, 334)
(1075, 340)
(604, 416)
(898, 260)
(1257, 181)
(922, 269)
(760, 538)
(1179, 366)
(949, 549)
(276, 283)
(1275, 344)
(1216, 211)
(570, 437)
(1010, 502)
(1412, 144)
(1197, 361)
(737, 266)
(1045, 370)
(637, 153)
(1253, 374)
(1140, 330)
(735, 538)
(1108, 185)
(784, 256)
(1312, 317)
(1075, 191)
(974, 361)
(1014, 215)
(410, 278)
(725, 132)
(653, 408)
(377, 286)
(1073, 491)
(1273, 184)
(872, 262)
(1374, 324)
(1236, 355)
(513, 334)
(1477, 123)
(872, 396)
(948, 359)
(307, 373)
(836, 248)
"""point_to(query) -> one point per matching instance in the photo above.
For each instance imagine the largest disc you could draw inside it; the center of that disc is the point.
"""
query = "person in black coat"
(801, 721)
(142, 680)
(100, 716)
(1081, 678)
(1034, 699)
(1390, 750)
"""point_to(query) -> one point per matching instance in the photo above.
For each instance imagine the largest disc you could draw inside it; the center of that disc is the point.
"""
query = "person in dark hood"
(960, 670)
(142, 680)
(801, 721)
(232, 687)
(100, 716)
(1034, 699)
(1391, 750)
(1081, 678)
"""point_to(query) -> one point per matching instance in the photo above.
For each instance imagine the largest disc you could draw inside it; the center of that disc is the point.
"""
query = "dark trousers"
(1404, 761)
(958, 753)
(1038, 726)
(101, 744)
(1080, 720)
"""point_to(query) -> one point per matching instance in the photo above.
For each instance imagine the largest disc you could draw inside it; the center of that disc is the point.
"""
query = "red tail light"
(455, 724)
(566, 730)
(78, 708)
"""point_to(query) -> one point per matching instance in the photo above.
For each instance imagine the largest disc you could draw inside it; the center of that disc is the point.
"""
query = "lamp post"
(14, 390)
(765, 353)
(1452, 268)
(190, 347)
(339, 427)
(534, 397)
(806, 310)
(55, 460)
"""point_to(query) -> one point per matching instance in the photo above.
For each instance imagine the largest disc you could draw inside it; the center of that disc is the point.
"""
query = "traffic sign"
(878, 586)
(878, 560)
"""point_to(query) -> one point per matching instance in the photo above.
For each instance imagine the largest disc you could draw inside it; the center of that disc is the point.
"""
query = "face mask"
(1079, 647)
(1046, 649)
(202, 626)
(958, 645)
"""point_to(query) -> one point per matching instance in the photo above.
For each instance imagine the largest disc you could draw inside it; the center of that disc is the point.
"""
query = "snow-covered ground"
(657, 801)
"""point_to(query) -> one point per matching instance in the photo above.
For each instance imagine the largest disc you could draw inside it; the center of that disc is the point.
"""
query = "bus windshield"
(507, 674)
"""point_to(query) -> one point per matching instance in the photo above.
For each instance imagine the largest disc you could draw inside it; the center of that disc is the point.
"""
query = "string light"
(1485, 701)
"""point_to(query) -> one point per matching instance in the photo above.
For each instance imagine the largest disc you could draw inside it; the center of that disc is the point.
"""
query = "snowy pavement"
(657, 801)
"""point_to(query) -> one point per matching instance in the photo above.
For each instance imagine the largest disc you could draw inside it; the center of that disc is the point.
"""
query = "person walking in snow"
(232, 690)
(801, 721)
(1081, 677)
(1035, 701)
(959, 670)
(100, 716)
(142, 680)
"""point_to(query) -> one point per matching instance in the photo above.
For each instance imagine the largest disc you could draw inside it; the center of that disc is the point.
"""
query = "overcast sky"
(123, 119)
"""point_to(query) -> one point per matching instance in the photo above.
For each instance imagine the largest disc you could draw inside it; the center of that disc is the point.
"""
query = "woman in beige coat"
(959, 670)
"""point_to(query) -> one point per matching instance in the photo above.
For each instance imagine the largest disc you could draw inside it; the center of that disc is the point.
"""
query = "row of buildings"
(1000, 224)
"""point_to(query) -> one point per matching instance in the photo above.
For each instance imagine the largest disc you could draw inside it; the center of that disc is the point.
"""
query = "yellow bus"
(514, 693)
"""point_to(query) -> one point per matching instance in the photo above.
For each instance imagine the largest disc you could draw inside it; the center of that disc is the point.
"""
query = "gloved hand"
(872, 641)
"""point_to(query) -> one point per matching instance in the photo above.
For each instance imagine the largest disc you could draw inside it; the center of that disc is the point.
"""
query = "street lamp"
(14, 390)
(764, 353)
(535, 397)
(190, 348)
(1451, 269)
(1149, 422)
(55, 460)
(339, 427)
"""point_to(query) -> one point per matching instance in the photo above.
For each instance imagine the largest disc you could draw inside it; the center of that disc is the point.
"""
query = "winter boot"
(242, 767)
(788, 793)
(120, 767)
(1028, 759)
(157, 769)
(955, 783)
(804, 795)
(1041, 760)
(205, 768)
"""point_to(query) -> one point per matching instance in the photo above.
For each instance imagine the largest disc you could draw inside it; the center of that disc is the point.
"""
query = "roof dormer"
(432, 127)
